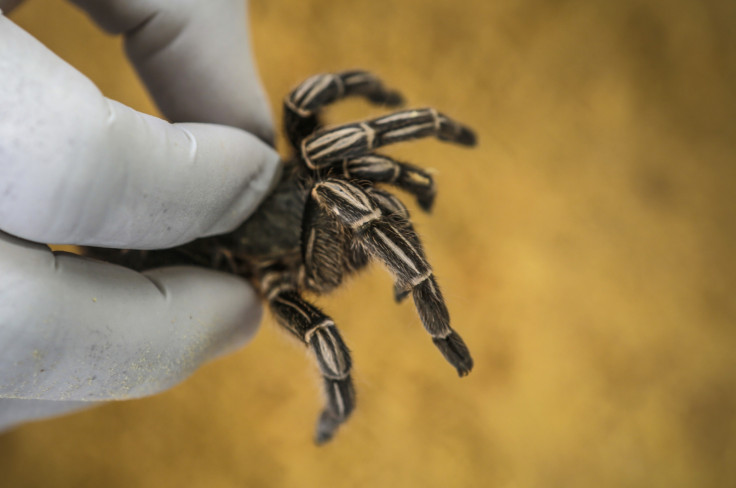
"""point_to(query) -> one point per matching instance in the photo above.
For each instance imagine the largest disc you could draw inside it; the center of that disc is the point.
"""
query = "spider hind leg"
(316, 330)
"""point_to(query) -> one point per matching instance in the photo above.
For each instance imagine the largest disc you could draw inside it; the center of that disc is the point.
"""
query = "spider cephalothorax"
(325, 219)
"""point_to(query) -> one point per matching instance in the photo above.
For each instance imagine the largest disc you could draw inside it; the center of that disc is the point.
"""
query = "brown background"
(585, 248)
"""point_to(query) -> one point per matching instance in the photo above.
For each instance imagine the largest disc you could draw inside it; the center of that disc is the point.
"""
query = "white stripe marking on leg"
(356, 78)
(342, 143)
(317, 89)
(370, 134)
(436, 118)
(331, 136)
(300, 111)
(338, 397)
(332, 355)
(365, 219)
(305, 86)
(408, 115)
(376, 166)
(324, 323)
(308, 251)
(421, 278)
(293, 305)
(355, 198)
(408, 131)
(396, 249)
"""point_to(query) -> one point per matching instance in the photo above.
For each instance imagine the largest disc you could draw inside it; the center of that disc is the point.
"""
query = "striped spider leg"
(328, 146)
(398, 214)
(326, 252)
(383, 169)
(315, 329)
(397, 246)
(303, 104)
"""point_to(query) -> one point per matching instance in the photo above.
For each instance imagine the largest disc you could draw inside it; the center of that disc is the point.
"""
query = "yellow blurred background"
(585, 249)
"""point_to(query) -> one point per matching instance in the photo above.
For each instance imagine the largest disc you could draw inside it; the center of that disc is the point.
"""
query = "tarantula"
(325, 219)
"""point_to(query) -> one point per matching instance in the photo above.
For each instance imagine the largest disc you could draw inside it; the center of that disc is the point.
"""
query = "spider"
(325, 220)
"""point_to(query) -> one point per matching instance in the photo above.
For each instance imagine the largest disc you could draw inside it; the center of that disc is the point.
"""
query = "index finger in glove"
(195, 58)
(77, 168)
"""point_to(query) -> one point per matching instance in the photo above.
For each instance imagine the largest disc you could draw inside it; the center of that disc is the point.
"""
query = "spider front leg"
(318, 331)
(397, 246)
(303, 104)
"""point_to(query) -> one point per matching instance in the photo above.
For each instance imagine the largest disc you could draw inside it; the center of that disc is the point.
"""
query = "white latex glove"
(78, 168)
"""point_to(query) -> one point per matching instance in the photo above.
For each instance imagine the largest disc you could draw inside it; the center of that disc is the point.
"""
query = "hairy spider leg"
(322, 241)
(318, 331)
(303, 104)
(397, 212)
(328, 146)
(394, 210)
(402, 255)
(329, 251)
(378, 168)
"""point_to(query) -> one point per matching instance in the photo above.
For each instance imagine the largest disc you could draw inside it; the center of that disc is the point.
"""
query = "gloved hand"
(78, 168)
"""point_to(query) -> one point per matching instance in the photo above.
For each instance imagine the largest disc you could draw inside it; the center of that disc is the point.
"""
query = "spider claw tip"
(426, 204)
(389, 98)
(455, 351)
(465, 369)
(321, 438)
(400, 294)
(394, 99)
(327, 426)
(467, 137)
